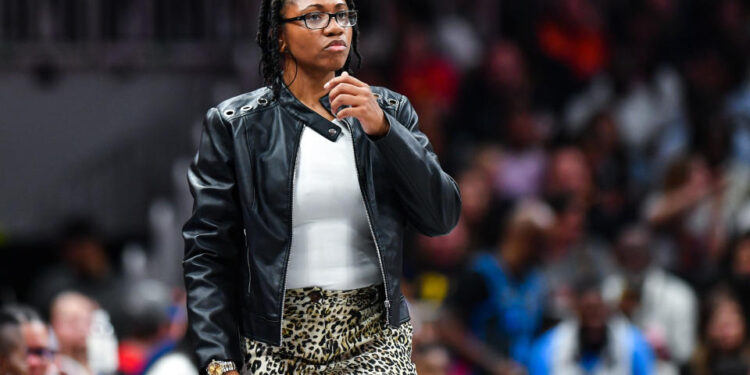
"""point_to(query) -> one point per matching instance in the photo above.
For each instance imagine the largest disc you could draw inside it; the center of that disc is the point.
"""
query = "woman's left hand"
(347, 90)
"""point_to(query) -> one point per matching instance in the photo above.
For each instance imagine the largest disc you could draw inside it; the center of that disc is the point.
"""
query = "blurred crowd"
(85, 318)
(602, 150)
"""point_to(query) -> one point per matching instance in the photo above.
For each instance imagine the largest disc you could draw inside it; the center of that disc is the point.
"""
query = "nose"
(333, 28)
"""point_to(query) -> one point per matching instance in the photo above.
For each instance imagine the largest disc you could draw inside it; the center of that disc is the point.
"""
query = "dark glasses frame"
(348, 14)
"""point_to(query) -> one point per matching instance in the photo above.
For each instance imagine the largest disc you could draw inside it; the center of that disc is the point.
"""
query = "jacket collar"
(310, 118)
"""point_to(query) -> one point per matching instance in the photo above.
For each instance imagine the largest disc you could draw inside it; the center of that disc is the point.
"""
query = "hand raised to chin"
(348, 90)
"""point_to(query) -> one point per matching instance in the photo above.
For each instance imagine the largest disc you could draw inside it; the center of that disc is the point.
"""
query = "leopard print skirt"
(334, 332)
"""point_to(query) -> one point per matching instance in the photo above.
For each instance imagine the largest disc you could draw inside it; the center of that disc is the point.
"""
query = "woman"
(302, 193)
(725, 348)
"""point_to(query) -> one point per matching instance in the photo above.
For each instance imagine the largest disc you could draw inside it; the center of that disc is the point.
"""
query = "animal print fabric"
(334, 332)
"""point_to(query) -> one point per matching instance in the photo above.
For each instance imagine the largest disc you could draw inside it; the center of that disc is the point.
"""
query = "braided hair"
(269, 27)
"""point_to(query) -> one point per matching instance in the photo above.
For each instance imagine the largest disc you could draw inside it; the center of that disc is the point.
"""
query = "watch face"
(219, 367)
(214, 369)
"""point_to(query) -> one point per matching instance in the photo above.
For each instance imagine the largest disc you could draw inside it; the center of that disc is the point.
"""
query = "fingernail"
(326, 85)
(345, 73)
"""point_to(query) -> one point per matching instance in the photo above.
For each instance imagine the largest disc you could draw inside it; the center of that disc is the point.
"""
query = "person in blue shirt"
(496, 307)
(595, 341)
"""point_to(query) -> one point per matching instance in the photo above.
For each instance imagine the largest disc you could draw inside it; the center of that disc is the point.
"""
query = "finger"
(344, 77)
(347, 88)
(345, 99)
(349, 112)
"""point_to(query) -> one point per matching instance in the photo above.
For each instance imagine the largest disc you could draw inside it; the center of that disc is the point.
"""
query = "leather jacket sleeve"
(430, 196)
(213, 238)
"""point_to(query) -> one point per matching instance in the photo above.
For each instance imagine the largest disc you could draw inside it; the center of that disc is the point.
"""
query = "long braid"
(355, 43)
(267, 38)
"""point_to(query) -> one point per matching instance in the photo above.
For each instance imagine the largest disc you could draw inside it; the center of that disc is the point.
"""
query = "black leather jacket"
(238, 238)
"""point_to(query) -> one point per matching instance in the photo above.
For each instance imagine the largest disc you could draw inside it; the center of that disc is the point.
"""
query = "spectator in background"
(440, 259)
(568, 174)
(12, 347)
(488, 94)
(724, 348)
(571, 249)
(661, 305)
(607, 160)
(39, 354)
(151, 341)
(573, 45)
(86, 269)
(423, 74)
(70, 316)
(688, 211)
(432, 359)
(478, 206)
(520, 169)
(429, 80)
(478, 178)
(737, 267)
(496, 307)
(594, 341)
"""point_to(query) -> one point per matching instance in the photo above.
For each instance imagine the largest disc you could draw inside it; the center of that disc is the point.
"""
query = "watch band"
(220, 367)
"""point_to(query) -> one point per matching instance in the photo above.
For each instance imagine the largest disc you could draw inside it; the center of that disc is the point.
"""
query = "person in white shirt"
(663, 306)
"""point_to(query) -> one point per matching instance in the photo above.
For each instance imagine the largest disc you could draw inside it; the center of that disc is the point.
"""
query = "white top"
(332, 246)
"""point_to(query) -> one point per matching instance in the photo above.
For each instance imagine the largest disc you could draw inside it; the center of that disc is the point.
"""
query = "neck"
(593, 340)
(79, 354)
(512, 265)
(307, 86)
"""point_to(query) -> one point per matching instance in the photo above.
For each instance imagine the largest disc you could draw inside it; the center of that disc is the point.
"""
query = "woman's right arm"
(213, 238)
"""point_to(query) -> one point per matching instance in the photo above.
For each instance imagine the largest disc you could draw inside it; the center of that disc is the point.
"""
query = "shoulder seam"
(246, 103)
(251, 111)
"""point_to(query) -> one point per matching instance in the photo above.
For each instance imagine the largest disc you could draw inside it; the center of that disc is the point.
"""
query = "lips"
(336, 45)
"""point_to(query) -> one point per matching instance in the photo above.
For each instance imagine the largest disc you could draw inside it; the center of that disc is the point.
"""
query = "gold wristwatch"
(220, 367)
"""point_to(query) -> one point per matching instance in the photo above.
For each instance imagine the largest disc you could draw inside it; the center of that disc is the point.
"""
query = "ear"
(282, 40)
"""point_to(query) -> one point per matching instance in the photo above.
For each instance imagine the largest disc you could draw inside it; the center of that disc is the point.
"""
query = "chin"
(336, 67)
(332, 64)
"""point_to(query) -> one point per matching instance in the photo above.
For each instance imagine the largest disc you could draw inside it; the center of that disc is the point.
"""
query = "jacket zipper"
(247, 257)
(387, 302)
(291, 229)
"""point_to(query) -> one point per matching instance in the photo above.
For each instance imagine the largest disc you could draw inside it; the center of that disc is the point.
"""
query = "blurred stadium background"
(599, 145)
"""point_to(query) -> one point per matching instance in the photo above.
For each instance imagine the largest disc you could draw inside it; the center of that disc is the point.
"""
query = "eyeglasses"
(321, 20)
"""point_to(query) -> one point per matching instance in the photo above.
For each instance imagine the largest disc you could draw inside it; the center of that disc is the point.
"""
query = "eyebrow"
(319, 6)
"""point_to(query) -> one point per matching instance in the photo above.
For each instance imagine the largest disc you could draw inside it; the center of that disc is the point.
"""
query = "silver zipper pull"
(387, 304)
